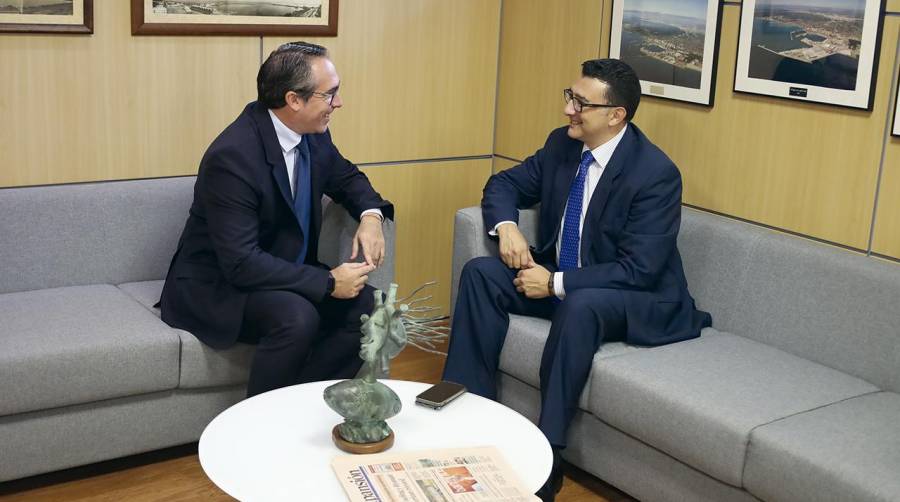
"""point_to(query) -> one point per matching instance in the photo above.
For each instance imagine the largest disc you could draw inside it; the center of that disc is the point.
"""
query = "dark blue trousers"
(579, 324)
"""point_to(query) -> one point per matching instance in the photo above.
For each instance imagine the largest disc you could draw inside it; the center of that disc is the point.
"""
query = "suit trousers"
(299, 341)
(579, 324)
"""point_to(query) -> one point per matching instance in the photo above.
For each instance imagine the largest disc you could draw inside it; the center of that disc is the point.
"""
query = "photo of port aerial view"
(37, 7)
(810, 42)
(664, 40)
(263, 8)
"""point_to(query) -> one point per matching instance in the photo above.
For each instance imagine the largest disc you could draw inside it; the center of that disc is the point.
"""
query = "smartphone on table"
(439, 395)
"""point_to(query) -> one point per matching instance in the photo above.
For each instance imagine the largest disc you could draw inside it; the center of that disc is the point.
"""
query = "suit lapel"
(605, 185)
(274, 156)
(565, 175)
(315, 176)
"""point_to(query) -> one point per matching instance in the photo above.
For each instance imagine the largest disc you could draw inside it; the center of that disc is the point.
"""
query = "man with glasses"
(605, 266)
(246, 267)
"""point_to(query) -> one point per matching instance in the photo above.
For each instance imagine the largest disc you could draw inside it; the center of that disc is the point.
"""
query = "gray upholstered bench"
(792, 395)
(88, 372)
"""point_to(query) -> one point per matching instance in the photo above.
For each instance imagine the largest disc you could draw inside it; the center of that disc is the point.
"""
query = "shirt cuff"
(493, 233)
(376, 212)
(558, 285)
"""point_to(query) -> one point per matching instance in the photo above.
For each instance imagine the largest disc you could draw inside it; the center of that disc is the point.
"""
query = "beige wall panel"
(887, 221)
(893, 6)
(113, 106)
(543, 45)
(501, 164)
(807, 168)
(426, 197)
(418, 78)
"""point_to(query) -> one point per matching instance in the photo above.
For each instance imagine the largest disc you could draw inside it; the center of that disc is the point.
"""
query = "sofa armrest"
(470, 240)
(336, 240)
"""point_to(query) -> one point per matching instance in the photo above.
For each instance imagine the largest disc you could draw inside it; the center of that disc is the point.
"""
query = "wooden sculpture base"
(361, 448)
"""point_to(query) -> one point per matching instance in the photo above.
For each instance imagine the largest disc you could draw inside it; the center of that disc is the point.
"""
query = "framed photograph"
(47, 16)
(824, 51)
(671, 44)
(234, 17)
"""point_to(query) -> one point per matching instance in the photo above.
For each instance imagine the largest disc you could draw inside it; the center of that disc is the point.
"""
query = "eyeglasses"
(327, 96)
(579, 104)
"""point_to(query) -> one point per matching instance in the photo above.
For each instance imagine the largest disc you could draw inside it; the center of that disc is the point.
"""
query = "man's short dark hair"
(623, 87)
(288, 68)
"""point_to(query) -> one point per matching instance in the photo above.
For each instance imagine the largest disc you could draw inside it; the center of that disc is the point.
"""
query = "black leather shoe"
(548, 492)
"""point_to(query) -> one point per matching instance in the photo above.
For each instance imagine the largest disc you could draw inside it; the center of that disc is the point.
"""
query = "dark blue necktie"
(568, 248)
(302, 194)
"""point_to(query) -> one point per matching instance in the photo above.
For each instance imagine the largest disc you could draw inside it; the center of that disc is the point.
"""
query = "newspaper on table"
(454, 475)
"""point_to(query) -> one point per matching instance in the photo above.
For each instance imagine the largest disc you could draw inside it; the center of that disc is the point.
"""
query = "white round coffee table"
(277, 445)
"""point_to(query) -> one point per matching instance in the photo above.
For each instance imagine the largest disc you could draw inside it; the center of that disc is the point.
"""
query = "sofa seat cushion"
(80, 344)
(698, 400)
(524, 346)
(145, 292)
(846, 451)
(201, 365)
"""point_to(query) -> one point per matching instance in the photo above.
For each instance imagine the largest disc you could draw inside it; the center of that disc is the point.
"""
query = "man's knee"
(298, 320)
(481, 267)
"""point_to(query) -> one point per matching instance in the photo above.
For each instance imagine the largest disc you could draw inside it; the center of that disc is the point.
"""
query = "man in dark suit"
(605, 266)
(246, 267)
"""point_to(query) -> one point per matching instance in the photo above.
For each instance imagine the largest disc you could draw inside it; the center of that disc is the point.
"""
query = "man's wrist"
(374, 215)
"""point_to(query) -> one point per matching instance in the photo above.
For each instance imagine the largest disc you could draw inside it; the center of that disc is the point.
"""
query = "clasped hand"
(532, 278)
(370, 239)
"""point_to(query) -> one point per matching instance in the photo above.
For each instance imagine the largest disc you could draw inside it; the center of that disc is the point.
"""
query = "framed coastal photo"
(234, 17)
(823, 51)
(671, 44)
(47, 16)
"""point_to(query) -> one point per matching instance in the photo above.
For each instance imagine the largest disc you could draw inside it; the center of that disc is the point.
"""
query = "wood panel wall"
(805, 168)
(418, 83)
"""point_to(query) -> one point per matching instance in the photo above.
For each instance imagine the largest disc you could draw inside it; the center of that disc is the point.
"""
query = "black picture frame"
(666, 59)
(806, 69)
(145, 20)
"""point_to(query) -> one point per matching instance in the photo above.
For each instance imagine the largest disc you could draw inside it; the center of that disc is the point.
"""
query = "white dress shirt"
(289, 140)
(602, 154)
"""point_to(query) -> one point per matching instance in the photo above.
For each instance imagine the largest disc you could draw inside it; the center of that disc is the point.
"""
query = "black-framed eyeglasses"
(579, 104)
(327, 96)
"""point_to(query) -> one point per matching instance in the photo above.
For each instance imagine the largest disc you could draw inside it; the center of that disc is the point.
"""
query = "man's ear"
(294, 101)
(617, 116)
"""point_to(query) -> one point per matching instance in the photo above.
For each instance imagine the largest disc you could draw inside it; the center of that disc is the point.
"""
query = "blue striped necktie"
(571, 236)
(302, 194)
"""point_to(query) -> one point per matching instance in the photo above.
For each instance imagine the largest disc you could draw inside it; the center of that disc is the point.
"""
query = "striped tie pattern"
(571, 236)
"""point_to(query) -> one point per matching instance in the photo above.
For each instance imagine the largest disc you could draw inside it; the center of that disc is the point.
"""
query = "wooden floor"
(174, 474)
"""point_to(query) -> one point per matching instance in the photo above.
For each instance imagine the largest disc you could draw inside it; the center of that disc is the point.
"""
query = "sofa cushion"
(829, 305)
(715, 252)
(80, 344)
(145, 292)
(201, 365)
(524, 346)
(699, 400)
(846, 451)
(91, 233)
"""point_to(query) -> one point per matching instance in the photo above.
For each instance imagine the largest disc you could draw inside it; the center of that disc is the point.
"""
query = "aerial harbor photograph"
(265, 8)
(42, 7)
(663, 40)
(811, 42)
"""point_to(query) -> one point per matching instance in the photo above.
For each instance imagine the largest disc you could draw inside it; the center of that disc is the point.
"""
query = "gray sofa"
(791, 396)
(88, 372)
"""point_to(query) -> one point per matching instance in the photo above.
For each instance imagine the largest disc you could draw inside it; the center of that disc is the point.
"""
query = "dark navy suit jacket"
(628, 242)
(242, 234)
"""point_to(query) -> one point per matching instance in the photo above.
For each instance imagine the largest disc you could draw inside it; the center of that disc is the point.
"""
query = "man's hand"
(370, 237)
(513, 247)
(349, 279)
(532, 282)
